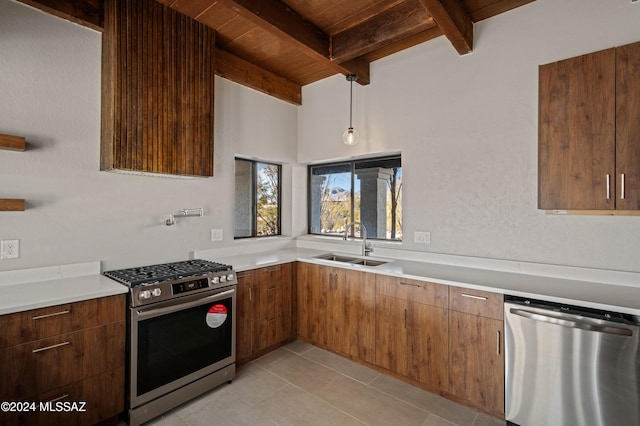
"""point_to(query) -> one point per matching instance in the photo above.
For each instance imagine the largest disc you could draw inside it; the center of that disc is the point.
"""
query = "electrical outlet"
(422, 237)
(9, 249)
(216, 235)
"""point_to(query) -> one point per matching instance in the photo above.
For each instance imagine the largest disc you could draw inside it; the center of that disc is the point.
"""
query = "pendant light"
(350, 136)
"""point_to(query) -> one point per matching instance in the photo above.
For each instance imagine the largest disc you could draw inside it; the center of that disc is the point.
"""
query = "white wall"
(467, 130)
(50, 93)
(466, 126)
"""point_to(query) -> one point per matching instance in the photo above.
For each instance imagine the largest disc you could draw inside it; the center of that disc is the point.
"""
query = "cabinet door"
(361, 315)
(313, 288)
(244, 314)
(352, 313)
(274, 322)
(391, 334)
(477, 360)
(628, 127)
(428, 352)
(576, 134)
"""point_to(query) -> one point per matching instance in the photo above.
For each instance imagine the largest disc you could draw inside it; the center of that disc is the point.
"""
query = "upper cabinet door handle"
(622, 186)
(608, 186)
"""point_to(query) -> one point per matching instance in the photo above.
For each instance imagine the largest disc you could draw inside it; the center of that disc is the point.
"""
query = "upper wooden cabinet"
(157, 90)
(589, 134)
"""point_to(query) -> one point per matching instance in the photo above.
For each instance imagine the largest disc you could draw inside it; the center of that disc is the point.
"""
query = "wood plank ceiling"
(278, 46)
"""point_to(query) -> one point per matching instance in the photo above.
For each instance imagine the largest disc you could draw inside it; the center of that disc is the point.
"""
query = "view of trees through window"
(267, 199)
(257, 199)
(368, 191)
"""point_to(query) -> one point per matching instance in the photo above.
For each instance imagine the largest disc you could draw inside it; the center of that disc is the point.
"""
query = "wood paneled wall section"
(157, 90)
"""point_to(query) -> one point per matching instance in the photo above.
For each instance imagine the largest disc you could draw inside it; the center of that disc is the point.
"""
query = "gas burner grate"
(165, 272)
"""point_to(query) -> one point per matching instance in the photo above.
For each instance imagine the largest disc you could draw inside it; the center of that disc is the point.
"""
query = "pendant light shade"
(350, 136)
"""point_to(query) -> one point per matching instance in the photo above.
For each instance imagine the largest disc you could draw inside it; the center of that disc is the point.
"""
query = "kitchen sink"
(351, 259)
(369, 262)
(336, 257)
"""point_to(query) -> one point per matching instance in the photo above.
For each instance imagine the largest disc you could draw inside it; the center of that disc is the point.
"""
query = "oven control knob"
(156, 292)
(215, 280)
(145, 294)
(230, 277)
(223, 278)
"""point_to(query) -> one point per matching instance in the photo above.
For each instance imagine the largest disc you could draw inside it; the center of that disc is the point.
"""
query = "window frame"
(352, 163)
(254, 199)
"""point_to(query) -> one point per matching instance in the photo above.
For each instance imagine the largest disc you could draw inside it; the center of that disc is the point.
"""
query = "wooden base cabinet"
(264, 310)
(65, 354)
(412, 330)
(476, 344)
(336, 310)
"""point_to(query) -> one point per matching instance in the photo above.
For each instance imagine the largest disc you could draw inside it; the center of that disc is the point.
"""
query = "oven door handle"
(154, 312)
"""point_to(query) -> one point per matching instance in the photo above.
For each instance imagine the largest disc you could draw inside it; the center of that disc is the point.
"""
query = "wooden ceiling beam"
(238, 70)
(279, 19)
(88, 13)
(390, 26)
(454, 21)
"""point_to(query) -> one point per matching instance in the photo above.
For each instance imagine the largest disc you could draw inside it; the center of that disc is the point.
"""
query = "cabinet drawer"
(275, 273)
(476, 302)
(36, 367)
(36, 324)
(103, 394)
(412, 290)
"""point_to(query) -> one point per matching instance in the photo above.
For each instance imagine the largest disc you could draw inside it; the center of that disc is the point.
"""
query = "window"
(257, 204)
(368, 191)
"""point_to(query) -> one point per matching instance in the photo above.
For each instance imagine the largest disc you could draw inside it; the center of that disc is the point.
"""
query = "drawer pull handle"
(244, 275)
(60, 398)
(410, 284)
(51, 347)
(51, 315)
(274, 269)
(471, 296)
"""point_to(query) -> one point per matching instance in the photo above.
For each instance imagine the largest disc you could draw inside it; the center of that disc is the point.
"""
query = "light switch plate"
(217, 234)
(9, 249)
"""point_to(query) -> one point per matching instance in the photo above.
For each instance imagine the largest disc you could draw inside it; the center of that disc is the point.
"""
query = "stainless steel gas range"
(181, 333)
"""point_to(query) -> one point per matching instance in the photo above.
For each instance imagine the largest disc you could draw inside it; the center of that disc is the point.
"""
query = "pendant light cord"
(351, 104)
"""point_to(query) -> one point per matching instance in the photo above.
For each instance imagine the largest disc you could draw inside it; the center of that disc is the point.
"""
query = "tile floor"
(300, 384)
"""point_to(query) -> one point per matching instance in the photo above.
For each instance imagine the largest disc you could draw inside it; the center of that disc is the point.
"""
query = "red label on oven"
(216, 316)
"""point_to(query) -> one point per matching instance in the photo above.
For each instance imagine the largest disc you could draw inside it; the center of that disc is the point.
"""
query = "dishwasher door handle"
(571, 321)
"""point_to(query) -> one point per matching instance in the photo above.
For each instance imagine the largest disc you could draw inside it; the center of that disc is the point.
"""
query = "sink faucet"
(366, 248)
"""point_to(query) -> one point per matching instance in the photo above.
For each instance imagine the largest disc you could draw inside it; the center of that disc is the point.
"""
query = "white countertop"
(40, 287)
(21, 290)
(598, 295)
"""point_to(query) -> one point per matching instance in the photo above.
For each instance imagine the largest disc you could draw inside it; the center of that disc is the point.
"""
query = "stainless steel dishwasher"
(570, 366)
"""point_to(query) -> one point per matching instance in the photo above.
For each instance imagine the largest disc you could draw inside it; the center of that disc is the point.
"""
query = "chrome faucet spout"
(366, 248)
